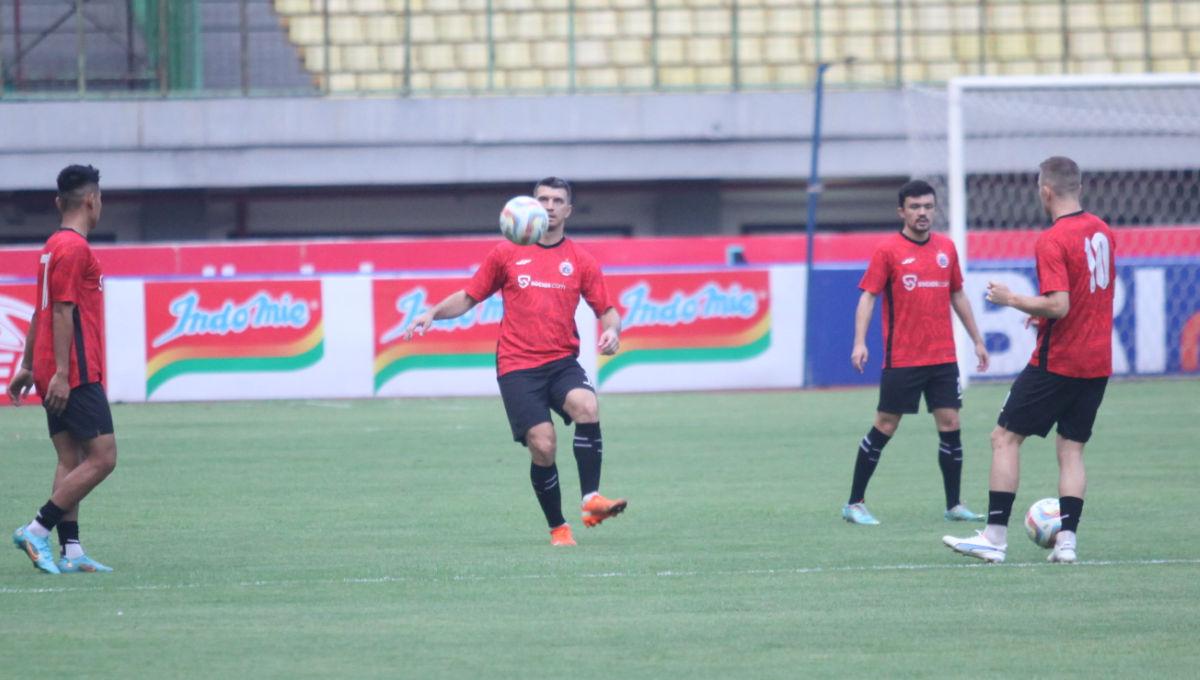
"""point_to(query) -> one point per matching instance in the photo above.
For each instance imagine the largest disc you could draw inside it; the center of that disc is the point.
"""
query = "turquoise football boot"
(961, 513)
(36, 549)
(82, 565)
(857, 513)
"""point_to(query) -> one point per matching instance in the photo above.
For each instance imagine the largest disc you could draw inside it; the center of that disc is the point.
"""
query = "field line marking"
(785, 571)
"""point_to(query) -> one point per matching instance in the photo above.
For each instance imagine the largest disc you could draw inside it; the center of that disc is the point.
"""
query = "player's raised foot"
(1064, 549)
(82, 565)
(857, 513)
(36, 549)
(961, 513)
(561, 535)
(597, 508)
(978, 546)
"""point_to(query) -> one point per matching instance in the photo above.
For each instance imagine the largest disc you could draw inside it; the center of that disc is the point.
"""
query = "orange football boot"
(597, 508)
(561, 535)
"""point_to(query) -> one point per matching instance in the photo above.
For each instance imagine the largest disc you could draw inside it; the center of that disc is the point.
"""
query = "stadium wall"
(323, 320)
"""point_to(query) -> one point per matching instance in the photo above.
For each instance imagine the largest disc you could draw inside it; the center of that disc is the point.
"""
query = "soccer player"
(64, 358)
(917, 272)
(536, 362)
(1065, 380)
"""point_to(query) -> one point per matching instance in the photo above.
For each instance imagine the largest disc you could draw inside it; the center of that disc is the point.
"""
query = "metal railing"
(96, 48)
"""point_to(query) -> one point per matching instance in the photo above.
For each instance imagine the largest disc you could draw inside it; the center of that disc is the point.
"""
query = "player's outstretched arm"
(453, 305)
(862, 319)
(1052, 305)
(610, 338)
(962, 307)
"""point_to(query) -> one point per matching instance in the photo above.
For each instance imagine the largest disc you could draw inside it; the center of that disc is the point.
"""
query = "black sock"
(549, 495)
(950, 461)
(68, 532)
(589, 450)
(50, 515)
(1071, 508)
(869, 450)
(1000, 507)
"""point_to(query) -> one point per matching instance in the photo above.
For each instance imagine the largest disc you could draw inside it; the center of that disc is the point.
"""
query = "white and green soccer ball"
(523, 220)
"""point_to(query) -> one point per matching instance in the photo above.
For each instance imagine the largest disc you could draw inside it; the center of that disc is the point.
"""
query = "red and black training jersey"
(1077, 254)
(69, 272)
(541, 287)
(915, 279)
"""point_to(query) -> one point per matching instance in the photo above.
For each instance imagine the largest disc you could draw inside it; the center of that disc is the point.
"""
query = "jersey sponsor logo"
(943, 260)
(525, 261)
(908, 260)
(565, 268)
(912, 282)
(526, 281)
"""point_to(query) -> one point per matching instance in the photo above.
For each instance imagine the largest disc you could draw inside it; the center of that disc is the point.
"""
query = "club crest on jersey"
(565, 268)
(524, 280)
(943, 260)
(909, 281)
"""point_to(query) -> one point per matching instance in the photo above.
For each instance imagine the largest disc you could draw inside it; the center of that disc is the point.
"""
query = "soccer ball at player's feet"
(523, 220)
(1043, 522)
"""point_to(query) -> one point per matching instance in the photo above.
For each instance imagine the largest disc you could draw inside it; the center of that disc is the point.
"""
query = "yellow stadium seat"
(591, 53)
(966, 18)
(1018, 67)
(861, 47)
(752, 21)
(967, 47)
(1168, 43)
(1164, 14)
(598, 78)
(1048, 45)
(1084, 15)
(1010, 47)
(512, 55)
(455, 28)
(1093, 66)
(630, 52)
(1044, 17)
(306, 30)
(638, 77)
(342, 82)
(677, 76)
(636, 23)
(1006, 17)
(788, 21)
(421, 82)
(384, 30)
(346, 30)
(1118, 14)
(934, 47)
(750, 50)
(675, 22)
(434, 57)
(946, 70)
(551, 54)
(873, 72)
(861, 20)
(360, 58)
(714, 76)
(391, 57)
(713, 21)
(424, 28)
(782, 50)
(670, 51)
(1088, 45)
(288, 7)
(368, 6)
(473, 55)
(931, 19)
(596, 24)
(528, 79)
(705, 51)
(1127, 44)
(377, 82)
(1172, 65)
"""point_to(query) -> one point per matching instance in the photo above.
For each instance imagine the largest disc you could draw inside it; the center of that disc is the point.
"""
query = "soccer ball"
(523, 220)
(1043, 522)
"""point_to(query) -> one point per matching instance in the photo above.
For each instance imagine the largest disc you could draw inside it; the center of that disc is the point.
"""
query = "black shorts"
(1039, 399)
(87, 415)
(900, 389)
(530, 394)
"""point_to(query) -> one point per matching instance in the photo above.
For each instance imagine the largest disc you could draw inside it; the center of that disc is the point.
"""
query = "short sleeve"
(878, 271)
(594, 288)
(1051, 266)
(956, 276)
(67, 267)
(489, 278)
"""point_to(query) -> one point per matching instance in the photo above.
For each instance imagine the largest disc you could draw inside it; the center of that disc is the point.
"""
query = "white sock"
(589, 497)
(996, 534)
(73, 551)
(1065, 539)
(37, 529)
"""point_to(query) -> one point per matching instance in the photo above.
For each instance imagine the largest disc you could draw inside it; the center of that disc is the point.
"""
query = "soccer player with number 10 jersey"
(1065, 380)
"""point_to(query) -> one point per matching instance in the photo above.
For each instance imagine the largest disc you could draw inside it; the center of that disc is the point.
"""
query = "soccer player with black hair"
(1066, 377)
(536, 356)
(64, 359)
(917, 273)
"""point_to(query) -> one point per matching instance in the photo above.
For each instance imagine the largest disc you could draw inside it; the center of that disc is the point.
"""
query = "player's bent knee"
(582, 406)
(541, 442)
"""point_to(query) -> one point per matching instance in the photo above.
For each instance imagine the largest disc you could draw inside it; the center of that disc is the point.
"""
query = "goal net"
(1137, 141)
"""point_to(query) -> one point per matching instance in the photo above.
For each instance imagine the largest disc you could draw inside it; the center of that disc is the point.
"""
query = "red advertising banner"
(231, 326)
(694, 317)
(466, 342)
(16, 311)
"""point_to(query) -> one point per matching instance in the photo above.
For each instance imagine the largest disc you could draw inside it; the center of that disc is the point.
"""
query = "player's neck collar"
(910, 239)
(1070, 214)
(556, 244)
(63, 227)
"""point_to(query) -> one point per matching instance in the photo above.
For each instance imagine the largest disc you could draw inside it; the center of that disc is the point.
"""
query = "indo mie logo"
(14, 318)
(701, 320)
(263, 331)
(468, 341)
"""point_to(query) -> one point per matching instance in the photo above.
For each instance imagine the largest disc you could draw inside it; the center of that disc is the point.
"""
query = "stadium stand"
(612, 45)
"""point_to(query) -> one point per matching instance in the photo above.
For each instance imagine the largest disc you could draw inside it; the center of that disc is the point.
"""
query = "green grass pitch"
(400, 538)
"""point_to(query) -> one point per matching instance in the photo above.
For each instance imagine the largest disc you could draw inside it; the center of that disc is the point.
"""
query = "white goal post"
(1137, 140)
